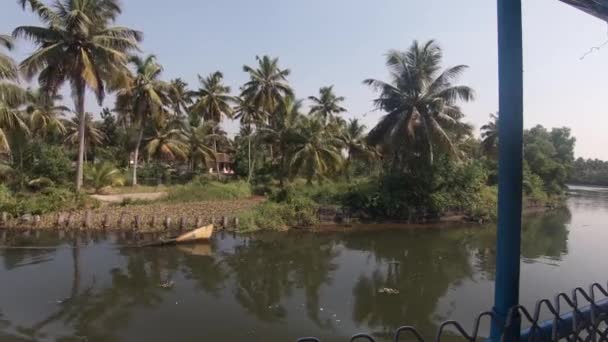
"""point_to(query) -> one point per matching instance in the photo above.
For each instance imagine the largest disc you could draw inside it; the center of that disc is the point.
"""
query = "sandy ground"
(118, 198)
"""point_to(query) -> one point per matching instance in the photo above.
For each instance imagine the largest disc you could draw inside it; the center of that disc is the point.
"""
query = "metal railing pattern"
(581, 316)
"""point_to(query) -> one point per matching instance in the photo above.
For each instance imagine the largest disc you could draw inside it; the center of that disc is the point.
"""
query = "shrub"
(47, 201)
(297, 212)
(103, 175)
(51, 162)
(209, 191)
(41, 183)
(485, 205)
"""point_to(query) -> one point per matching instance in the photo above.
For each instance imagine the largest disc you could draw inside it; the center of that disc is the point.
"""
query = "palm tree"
(11, 97)
(200, 141)
(327, 104)
(489, 135)
(316, 152)
(7, 65)
(143, 99)
(212, 102)
(180, 98)
(104, 175)
(354, 141)
(44, 115)
(92, 135)
(9, 91)
(267, 86)
(287, 117)
(78, 45)
(249, 115)
(420, 101)
(167, 144)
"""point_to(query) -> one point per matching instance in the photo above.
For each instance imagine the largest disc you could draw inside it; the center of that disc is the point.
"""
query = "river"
(280, 286)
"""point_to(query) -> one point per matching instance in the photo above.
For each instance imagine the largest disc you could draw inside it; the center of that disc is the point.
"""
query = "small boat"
(196, 235)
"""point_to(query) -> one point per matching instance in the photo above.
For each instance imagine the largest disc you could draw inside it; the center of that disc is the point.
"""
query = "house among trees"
(225, 164)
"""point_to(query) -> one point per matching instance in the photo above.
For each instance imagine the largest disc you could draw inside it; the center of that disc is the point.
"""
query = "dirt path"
(140, 196)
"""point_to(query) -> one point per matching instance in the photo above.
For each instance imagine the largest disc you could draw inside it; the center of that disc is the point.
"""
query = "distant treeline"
(590, 172)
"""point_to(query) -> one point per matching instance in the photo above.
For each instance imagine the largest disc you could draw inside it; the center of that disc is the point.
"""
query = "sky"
(343, 42)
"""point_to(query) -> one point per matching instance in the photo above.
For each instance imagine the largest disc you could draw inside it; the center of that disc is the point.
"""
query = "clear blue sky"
(342, 42)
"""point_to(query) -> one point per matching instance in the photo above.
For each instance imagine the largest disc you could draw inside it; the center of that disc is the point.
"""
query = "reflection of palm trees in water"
(543, 236)
(67, 310)
(97, 314)
(420, 268)
(267, 269)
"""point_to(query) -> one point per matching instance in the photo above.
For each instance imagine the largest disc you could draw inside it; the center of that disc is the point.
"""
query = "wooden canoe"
(199, 234)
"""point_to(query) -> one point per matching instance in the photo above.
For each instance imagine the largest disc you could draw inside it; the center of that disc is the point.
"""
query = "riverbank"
(142, 217)
(445, 222)
(234, 206)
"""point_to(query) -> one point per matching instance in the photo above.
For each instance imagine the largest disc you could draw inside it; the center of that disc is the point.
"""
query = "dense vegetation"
(420, 157)
(589, 172)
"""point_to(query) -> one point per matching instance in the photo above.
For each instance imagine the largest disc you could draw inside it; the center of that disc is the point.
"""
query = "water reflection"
(270, 267)
(268, 286)
(420, 268)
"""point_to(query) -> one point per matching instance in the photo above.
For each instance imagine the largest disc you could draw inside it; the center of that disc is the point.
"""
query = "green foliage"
(590, 172)
(48, 161)
(421, 102)
(550, 154)
(47, 201)
(445, 186)
(533, 186)
(293, 212)
(203, 190)
(38, 184)
(103, 175)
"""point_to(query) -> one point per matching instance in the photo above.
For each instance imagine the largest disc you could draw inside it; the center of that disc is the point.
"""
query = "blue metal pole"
(510, 133)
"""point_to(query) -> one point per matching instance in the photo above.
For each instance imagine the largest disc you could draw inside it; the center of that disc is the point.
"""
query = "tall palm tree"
(8, 70)
(489, 135)
(327, 104)
(143, 99)
(419, 99)
(44, 115)
(167, 144)
(267, 85)
(11, 96)
(316, 152)
(180, 98)
(92, 135)
(77, 44)
(200, 141)
(353, 138)
(249, 115)
(288, 116)
(212, 102)
(9, 91)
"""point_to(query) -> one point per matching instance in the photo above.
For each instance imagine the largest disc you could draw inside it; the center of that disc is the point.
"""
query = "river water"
(277, 287)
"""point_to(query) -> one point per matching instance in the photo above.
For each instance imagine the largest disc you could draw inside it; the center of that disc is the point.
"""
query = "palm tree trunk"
(217, 163)
(136, 154)
(249, 169)
(80, 89)
(427, 134)
(347, 166)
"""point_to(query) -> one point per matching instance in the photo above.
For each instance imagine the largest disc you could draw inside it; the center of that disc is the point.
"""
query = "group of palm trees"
(78, 45)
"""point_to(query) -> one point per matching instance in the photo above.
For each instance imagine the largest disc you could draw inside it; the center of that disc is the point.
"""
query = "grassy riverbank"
(295, 205)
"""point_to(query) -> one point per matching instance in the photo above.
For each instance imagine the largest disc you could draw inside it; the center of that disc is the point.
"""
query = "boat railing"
(581, 316)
